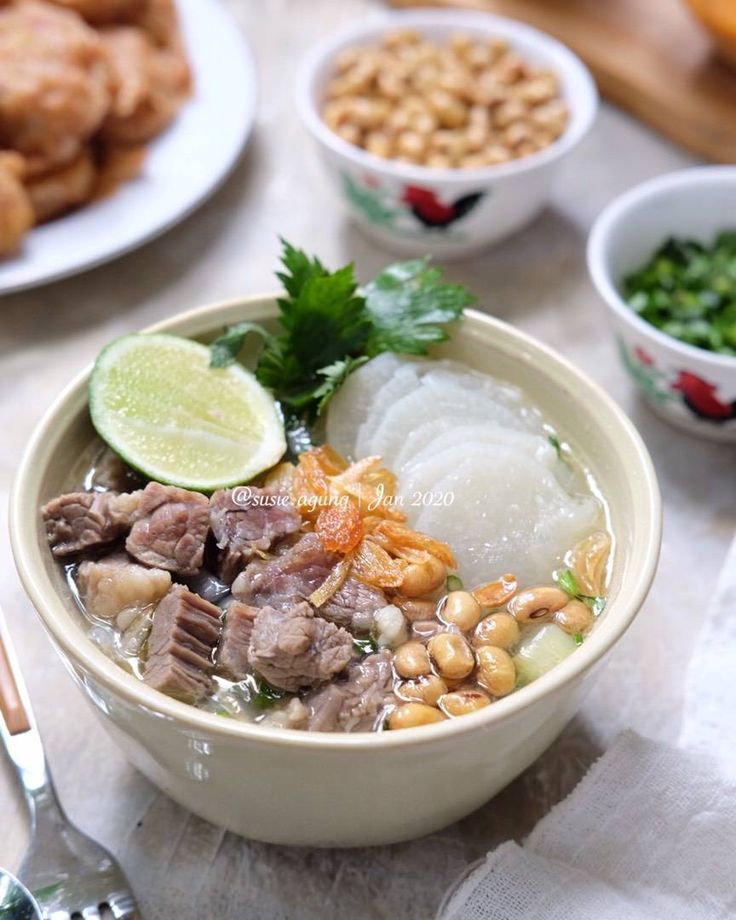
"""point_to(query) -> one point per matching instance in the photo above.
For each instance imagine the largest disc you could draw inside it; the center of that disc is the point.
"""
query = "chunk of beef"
(186, 629)
(80, 521)
(170, 529)
(353, 605)
(293, 648)
(246, 522)
(293, 576)
(288, 578)
(355, 703)
(115, 583)
(232, 656)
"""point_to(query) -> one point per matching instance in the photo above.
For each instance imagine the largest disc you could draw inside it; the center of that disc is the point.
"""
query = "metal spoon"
(16, 902)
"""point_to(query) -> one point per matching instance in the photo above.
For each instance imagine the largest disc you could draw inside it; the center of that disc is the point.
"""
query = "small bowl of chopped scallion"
(663, 258)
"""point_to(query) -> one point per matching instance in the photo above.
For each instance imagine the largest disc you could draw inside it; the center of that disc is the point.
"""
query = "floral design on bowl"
(701, 397)
(408, 209)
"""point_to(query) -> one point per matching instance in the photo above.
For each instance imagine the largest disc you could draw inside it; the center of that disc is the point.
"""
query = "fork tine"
(91, 913)
(122, 904)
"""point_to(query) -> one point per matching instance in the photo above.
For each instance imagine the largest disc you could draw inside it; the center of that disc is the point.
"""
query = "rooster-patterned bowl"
(450, 212)
(690, 387)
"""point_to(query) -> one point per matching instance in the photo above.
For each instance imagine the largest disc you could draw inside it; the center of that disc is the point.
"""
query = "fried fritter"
(16, 214)
(149, 85)
(117, 165)
(54, 83)
(84, 84)
(64, 189)
(103, 12)
(159, 20)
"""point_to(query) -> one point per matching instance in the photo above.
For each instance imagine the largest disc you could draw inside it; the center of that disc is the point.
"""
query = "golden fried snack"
(159, 20)
(65, 189)
(117, 165)
(149, 85)
(103, 12)
(16, 214)
(54, 83)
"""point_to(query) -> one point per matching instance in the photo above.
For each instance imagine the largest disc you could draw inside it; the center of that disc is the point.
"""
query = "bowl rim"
(613, 219)
(57, 620)
(583, 107)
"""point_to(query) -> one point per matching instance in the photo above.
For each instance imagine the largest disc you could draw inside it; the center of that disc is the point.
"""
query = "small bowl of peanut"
(444, 130)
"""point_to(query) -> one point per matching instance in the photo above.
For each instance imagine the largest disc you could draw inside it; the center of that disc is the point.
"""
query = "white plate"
(183, 166)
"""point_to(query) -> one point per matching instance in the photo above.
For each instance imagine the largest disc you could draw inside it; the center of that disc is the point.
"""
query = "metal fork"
(71, 876)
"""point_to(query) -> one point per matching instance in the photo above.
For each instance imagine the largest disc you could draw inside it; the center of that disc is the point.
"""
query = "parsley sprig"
(331, 326)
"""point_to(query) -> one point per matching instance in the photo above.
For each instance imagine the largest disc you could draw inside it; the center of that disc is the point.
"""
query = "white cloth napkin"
(650, 832)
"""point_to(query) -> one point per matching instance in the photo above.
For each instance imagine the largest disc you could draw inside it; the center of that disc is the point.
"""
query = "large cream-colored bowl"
(342, 790)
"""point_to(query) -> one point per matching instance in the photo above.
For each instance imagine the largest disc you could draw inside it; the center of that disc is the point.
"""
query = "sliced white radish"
(351, 404)
(403, 381)
(509, 514)
(432, 401)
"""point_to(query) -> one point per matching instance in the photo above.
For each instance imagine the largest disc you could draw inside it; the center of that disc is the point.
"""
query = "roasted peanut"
(552, 116)
(379, 144)
(422, 578)
(517, 133)
(410, 144)
(450, 112)
(458, 98)
(425, 629)
(349, 132)
(336, 112)
(461, 609)
(412, 714)
(498, 154)
(461, 702)
(439, 161)
(452, 655)
(460, 43)
(510, 68)
(574, 617)
(401, 37)
(367, 113)
(496, 671)
(426, 689)
(509, 112)
(536, 605)
(412, 660)
(416, 608)
(499, 629)
(539, 89)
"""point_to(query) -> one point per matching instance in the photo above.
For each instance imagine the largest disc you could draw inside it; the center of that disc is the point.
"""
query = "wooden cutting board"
(650, 57)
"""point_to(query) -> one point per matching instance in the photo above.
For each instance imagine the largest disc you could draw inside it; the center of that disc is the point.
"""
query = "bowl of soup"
(480, 657)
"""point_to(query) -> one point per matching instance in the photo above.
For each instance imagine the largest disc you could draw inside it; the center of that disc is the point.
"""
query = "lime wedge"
(155, 400)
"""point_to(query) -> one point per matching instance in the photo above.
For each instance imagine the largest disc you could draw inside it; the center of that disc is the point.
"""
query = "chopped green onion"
(454, 583)
(688, 291)
(566, 579)
(568, 582)
(266, 695)
(555, 442)
(366, 646)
